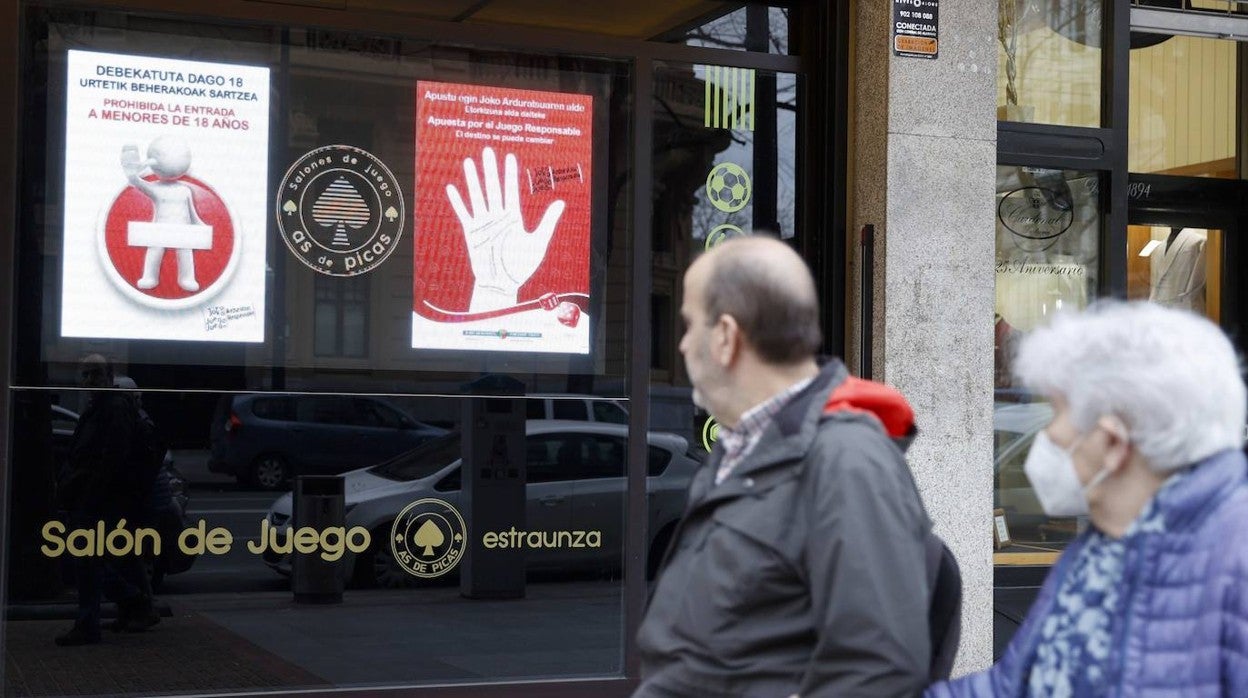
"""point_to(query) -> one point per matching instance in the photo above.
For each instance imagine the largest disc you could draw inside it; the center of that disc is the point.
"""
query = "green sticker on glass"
(710, 433)
(719, 233)
(728, 187)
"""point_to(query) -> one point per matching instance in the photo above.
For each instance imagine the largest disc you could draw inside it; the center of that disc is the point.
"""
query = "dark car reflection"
(264, 440)
(575, 481)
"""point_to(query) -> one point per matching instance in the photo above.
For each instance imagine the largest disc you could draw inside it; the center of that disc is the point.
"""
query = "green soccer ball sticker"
(728, 187)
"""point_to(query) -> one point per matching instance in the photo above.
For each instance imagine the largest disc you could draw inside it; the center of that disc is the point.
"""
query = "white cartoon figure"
(175, 223)
(502, 253)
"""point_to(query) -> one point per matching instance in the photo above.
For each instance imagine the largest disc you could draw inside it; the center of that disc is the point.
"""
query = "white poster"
(166, 180)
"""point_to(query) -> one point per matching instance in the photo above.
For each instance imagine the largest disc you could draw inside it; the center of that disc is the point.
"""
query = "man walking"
(798, 568)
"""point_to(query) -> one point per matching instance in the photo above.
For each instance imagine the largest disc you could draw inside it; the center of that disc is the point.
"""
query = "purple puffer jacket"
(1185, 625)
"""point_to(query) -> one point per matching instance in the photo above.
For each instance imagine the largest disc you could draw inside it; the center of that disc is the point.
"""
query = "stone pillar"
(924, 159)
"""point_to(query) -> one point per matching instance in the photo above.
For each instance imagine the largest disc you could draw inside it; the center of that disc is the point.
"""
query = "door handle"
(551, 500)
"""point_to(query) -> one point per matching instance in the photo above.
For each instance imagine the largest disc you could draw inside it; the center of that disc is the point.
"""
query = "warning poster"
(502, 219)
(166, 166)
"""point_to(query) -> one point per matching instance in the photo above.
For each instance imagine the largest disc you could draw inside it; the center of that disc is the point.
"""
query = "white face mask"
(1052, 473)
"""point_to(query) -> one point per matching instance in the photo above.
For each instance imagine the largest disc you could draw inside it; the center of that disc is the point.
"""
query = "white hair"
(1171, 376)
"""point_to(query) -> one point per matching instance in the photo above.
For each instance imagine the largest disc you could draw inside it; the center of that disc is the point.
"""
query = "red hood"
(880, 401)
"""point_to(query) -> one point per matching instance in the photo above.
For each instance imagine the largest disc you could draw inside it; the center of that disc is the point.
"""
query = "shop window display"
(1048, 228)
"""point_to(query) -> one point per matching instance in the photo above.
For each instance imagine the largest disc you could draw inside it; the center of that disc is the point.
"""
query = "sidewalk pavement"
(185, 653)
(226, 642)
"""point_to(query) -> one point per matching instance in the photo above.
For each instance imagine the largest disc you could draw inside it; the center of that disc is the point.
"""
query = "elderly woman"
(1152, 600)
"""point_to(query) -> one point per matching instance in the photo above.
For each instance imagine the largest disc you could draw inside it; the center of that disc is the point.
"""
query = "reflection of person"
(798, 567)
(97, 489)
(1178, 270)
(1149, 600)
(169, 158)
(502, 253)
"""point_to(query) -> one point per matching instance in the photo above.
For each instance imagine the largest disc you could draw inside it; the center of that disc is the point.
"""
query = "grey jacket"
(802, 573)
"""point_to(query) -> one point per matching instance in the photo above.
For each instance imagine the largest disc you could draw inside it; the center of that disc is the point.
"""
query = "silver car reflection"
(1015, 426)
(575, 481)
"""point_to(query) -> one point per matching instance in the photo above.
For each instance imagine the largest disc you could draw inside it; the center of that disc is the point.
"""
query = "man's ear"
(726, 340)
(1118, 442)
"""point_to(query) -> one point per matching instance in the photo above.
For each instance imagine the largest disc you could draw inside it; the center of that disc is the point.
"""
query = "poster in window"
(166, 167)
(502, 219)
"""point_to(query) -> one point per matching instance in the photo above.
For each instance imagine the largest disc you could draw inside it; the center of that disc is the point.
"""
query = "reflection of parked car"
(267, 439)
(166, 507)
(576, 408)
(1015, 426)
(576, 481)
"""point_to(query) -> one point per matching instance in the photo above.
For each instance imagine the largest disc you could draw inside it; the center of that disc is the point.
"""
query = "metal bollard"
(319, 503)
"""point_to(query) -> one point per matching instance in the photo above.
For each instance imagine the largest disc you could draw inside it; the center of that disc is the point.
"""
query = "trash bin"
(319, 505)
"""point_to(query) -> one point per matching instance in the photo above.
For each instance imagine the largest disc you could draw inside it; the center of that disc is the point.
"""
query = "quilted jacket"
(1185, 625)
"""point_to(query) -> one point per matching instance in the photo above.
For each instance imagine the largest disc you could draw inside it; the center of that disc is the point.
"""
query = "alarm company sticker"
(428, 538)
(340, 210)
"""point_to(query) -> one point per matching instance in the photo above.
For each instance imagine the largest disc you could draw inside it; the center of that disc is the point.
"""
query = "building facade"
(399, 286)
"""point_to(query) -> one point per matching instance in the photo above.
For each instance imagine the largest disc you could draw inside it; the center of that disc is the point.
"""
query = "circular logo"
(428, 538)
(710, 433)
(195, 260)
(340, 210)
(1036, 213)
(728, 187)
(723, 232)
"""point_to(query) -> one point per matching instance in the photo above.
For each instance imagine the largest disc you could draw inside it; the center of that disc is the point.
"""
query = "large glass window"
(1048, 61)
(1183, 107)
(725, 164)
(327, 202)
(1048, 249)
(304, 251)
(319, 257)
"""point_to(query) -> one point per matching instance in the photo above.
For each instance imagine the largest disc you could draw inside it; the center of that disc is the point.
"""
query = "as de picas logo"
(340, 210)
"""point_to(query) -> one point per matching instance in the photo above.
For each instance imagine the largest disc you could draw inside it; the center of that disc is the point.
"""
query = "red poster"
(502, 219)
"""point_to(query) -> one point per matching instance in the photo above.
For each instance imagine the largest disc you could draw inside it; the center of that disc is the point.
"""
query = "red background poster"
(549, 134)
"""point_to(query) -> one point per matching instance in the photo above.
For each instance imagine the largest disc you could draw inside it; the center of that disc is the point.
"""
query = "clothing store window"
(1048, 62)
(1183, 107)
(1048, 231)
(1184, 126)
(1179, 267)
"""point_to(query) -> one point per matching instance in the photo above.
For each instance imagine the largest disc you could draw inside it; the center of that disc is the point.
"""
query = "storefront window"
(1048, 230)
(1179, 267)
(316, 253)
(725, 164)
(1049, 61)
(1183, 107)
(367, 302)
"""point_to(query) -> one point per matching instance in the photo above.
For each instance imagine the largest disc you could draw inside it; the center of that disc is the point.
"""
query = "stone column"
(924, 163)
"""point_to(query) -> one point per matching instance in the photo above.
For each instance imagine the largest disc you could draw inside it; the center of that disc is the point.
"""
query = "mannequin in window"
(1178, 270)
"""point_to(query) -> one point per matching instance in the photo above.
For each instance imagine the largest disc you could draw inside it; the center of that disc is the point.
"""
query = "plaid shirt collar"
(741, 439)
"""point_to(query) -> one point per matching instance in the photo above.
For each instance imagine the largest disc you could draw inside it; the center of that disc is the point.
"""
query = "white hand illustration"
(502, 253)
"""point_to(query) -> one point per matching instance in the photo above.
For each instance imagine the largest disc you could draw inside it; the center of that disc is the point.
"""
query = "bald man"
(798, 567)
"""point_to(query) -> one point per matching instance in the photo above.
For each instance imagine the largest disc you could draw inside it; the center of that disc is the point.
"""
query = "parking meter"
(493, 496)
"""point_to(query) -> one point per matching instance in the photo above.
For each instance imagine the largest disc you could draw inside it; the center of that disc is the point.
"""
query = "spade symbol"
(391, 214)
(429, 536)
(289, 207)
(340, 206)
